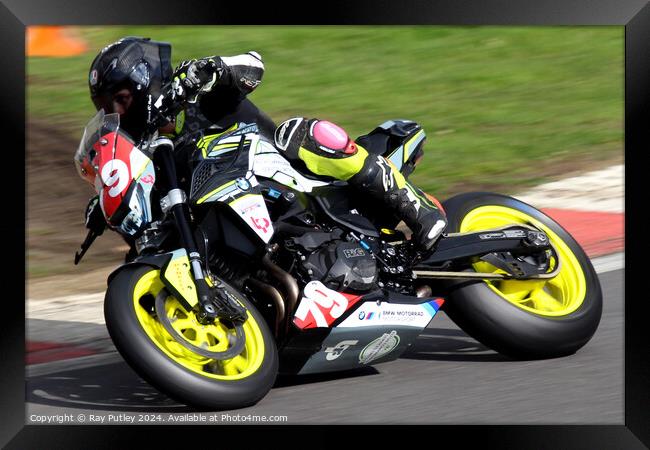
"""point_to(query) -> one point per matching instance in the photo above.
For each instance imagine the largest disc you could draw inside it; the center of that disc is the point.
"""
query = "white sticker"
(370, 314)
(338, 349)
(253, 210)
(381, 346)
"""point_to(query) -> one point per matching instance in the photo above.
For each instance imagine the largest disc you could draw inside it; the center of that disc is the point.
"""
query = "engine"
(339, 264)
(342, 265)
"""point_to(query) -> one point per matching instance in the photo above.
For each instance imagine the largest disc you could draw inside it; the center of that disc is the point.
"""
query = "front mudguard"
(175, 273)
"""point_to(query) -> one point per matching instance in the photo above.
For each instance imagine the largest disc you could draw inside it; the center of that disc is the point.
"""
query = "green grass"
(498, 103)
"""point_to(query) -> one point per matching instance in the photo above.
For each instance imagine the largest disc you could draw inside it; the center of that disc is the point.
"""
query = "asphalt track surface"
(445, 378)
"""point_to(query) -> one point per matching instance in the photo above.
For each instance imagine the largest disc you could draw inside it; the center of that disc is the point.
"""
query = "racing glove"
(195, 77)
(94, 216)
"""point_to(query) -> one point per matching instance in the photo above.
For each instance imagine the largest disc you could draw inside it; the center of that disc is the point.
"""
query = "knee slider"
(330, 138)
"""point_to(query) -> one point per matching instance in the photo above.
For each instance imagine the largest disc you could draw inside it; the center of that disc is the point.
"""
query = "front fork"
(175, 202)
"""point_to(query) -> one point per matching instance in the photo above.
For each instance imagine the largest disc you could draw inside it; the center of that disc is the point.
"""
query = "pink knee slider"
(331, 136)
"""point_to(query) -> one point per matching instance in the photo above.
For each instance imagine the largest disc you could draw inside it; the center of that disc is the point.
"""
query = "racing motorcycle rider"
(126, 78)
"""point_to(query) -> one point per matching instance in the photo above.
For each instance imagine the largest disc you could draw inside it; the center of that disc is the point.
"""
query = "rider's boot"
(422, 213)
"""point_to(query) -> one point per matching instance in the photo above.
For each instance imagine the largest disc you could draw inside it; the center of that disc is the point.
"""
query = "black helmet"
(139, 64)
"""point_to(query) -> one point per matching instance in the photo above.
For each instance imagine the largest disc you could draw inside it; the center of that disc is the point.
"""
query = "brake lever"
(85, 245)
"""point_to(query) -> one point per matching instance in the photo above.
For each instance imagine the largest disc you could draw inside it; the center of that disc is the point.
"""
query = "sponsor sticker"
(381, 346)
(261, 223)
(252, 209)
(148, 179)
(243, 184)
(353, 252)
(388, 314)
(338, 349)
(369, 316)
(498, 235)
(93, 77)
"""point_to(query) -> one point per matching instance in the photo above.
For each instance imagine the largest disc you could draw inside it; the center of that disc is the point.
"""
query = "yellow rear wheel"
(524, 319)
(556, 297)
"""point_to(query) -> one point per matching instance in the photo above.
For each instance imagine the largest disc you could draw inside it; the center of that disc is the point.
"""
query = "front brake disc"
(236, 347)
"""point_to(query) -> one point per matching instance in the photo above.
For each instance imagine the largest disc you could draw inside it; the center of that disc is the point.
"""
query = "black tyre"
(524, 319)
(172, 368)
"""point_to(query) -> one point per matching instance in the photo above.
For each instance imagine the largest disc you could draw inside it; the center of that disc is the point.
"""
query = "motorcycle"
(244, 267)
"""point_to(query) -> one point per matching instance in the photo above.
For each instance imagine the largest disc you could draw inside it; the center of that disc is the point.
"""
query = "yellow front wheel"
(182, 362)
(524, 319)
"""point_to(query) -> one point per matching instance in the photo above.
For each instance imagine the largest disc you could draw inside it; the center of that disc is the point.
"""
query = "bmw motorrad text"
(123, 418)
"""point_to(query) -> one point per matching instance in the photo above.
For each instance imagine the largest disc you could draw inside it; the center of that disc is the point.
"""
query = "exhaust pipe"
(289, 285)
(272, 293)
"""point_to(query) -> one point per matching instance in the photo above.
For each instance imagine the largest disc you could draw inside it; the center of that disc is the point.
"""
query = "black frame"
(633, 14)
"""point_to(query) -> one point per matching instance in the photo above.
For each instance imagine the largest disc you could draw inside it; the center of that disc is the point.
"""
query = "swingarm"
(520, 252)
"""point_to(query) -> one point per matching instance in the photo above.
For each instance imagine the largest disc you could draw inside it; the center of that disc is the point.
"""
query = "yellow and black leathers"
(326, 150)
(218, 86)
(242, 72)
